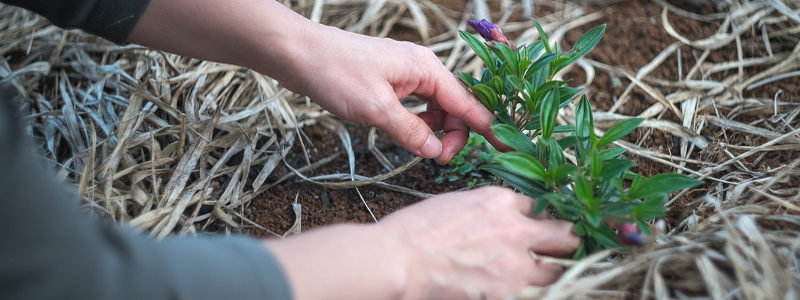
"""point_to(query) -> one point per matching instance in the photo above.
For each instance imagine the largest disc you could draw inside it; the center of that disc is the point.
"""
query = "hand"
(476, 244)
(356, 77)
(361, 79)
(451, 246)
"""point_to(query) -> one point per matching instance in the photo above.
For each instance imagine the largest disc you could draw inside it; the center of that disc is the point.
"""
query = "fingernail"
(432, 147)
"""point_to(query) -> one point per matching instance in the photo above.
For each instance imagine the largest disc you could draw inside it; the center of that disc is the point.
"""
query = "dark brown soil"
(633, 38)
(322, 206)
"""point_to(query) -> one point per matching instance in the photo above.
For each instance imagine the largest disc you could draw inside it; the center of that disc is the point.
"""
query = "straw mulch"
(174, 145)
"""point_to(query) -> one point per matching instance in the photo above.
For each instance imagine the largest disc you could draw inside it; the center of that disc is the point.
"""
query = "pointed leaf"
(549, 113)
(607, 238)
(595, 164)
(613, 168)
(540, 205)
(592, 216)
(651, 208)
(467, 79)
(486, 95)
(617, 131)
(661, 184)
(610, 153)
(542, 36)
(510, 136)
(583, 190)
(584, 44)
(523, 165)
(480, 49)
(524, 185)
(584, 119)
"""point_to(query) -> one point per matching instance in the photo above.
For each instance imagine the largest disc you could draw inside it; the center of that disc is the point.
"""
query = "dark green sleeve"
(49, 249)
(111, 19)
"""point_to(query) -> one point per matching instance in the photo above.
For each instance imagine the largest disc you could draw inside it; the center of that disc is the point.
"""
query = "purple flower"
(628, 234)
(489, 31)
(483, 27)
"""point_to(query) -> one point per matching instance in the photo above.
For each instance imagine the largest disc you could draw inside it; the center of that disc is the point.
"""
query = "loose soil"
(633, 38)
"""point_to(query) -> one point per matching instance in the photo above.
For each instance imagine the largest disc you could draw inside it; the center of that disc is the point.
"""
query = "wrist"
(282, 52)
(344, 262)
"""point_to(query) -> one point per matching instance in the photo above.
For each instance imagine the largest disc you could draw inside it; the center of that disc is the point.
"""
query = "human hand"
(451, 246)
(361, 79)
(476, 244)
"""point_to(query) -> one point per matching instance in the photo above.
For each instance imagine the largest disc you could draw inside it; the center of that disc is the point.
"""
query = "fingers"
(456, 135)
(553, 238)
(410, 131)
(545, 273)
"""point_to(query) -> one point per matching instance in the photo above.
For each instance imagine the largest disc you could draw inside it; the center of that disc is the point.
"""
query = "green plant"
(464, 165)
(597, 191)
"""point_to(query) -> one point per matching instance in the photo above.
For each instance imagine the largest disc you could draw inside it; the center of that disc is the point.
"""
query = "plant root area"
(635, 36)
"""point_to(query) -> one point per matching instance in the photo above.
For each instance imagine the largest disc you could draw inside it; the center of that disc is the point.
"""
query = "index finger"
(453, 97)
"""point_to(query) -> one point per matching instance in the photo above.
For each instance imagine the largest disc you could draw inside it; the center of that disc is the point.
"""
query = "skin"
(453, 246)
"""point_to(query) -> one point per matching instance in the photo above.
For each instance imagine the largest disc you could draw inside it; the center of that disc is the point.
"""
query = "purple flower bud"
(484, 28)
(628, 234)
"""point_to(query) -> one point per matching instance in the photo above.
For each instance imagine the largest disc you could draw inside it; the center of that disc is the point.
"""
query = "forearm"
(344, 262)
(50, 250)
(262, 35)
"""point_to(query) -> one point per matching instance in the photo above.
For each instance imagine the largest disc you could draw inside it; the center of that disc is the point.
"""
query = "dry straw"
(174, 145)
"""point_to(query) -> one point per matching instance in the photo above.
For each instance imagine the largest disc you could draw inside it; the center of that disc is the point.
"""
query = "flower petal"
(483, 28)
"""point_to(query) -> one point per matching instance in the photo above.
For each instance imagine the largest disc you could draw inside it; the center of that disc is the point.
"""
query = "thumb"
(410, 131)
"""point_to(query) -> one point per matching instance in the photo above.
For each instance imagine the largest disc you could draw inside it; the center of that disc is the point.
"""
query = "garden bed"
(180, 146)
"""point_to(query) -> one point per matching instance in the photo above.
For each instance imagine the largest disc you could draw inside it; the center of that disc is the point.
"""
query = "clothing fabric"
(113, 20)
(50, 249)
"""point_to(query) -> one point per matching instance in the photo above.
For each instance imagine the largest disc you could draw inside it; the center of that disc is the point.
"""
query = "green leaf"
(549, 113)
(564, 128)
(661, 184)
(480, 49)
(535, 48)
(583, 190)
(540, 205)
(522, 164)
(515, 82)
(566, 207)
(588, 40)
(583, 45)
(566, 95)
(524, 185)
(510, 136)
(651, 208)
(614, 168)
(486, 95)
(542, 36)
(580, 252)
(554, 152)
(616, 209)
(610, 153)
(560, 173)
(539, 64)
(617, 131)
(595, 164)
(467, 79)
(508, 56)
(584, 119)
(607, 238)
(496, 83)
(580, 228)
(592, 216)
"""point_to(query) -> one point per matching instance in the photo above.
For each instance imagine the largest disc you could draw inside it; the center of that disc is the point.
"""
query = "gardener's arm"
(448, 247)
(51, 250)
(355, 77)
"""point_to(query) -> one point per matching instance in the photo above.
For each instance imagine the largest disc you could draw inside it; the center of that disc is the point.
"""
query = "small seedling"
(464, 165)
(597, 191)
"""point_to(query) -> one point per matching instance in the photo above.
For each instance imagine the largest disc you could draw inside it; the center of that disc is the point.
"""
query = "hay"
(149, 138)
(155, 140)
